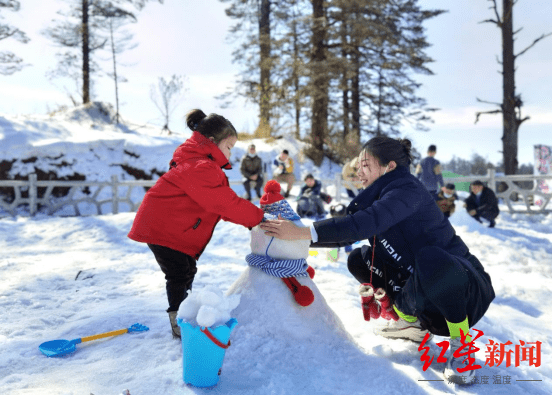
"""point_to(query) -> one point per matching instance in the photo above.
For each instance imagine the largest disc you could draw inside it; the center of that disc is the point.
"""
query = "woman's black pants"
(442, 287)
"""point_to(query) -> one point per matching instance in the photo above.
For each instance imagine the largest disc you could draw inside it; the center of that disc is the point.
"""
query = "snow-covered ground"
(70, 277)
(121, 284)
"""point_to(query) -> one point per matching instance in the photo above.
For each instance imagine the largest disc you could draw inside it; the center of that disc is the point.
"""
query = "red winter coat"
(182, 209)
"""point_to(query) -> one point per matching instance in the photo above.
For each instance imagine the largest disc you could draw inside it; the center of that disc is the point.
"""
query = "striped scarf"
(278, 268)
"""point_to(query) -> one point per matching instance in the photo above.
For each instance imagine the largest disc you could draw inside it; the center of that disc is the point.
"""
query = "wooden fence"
(113, 196)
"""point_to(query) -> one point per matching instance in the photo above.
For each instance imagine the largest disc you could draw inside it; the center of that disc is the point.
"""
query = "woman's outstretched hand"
(285, 229)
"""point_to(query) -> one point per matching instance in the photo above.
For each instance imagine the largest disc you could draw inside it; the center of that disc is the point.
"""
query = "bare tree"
(83, 31)
(119, 43)
(166, 96)
(511, 102)
(9, 62)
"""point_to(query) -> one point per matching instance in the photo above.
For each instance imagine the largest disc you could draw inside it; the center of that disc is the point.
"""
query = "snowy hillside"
(82, 143)
(70, 277)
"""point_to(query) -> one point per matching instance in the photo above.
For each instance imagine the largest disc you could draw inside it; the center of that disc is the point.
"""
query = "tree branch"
(534, 42)
(497, 22)
(484, 101)
(485, 112)
(495, 7)
(522, 120)
(491, 21)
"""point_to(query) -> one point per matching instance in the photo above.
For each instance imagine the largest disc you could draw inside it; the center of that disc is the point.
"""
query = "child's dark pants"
(179, 270)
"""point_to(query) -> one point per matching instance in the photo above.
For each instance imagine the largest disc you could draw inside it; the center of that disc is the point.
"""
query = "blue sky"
(190, 37)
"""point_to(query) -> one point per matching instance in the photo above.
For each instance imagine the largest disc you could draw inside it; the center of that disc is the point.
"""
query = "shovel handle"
(104, 335)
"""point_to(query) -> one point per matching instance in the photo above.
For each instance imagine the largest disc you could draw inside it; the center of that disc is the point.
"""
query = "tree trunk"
(297, 99)
(114, 72)
(344, 76)
(509, 124)
(85, 54)
(265, 65)
(355, 93)
(319, 82)
(380, 99)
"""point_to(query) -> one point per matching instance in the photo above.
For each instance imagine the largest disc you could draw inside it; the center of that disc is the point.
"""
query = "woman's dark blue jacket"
(403, 216)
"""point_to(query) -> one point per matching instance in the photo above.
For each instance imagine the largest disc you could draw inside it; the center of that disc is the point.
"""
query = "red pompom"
(272, 186)
(311, 272)
(272, 193)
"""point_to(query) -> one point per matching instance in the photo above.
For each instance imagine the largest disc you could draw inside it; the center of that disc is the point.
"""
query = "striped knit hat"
(274, 204)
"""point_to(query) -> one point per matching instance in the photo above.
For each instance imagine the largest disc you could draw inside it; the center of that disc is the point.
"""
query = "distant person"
(179, 213)
(349, 174)
(445, 199)
(252, 170)
(482, 203)
(283, 171)
(309, 200)
(429, 171)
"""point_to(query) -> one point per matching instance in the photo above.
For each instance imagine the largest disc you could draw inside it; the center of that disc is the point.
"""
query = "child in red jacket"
(179, 213)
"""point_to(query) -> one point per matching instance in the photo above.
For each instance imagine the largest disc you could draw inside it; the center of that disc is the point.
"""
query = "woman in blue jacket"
(437, 285)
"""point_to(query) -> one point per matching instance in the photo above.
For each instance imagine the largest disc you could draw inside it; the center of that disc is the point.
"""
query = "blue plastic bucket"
(203, 352)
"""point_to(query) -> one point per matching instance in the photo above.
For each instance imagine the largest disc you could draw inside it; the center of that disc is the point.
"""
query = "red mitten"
(387, 311)
(370, 308)
(303, 295)
(310, 271)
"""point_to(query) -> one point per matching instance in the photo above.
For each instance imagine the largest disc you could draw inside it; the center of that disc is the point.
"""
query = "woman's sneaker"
(405, 330)
(451, 373)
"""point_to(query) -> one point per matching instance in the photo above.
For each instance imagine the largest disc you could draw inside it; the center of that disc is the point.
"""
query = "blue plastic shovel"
(57, 348)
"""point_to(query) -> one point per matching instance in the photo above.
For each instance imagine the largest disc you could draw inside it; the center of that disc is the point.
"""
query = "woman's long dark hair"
(214, 125)
(386, 149)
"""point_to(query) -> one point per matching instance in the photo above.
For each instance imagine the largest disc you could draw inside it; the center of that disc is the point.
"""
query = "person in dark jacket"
(179, 213)
(429, 171)
(435, 284)
(252, 170)
(482, 203)
(445, 199)
(309, 200)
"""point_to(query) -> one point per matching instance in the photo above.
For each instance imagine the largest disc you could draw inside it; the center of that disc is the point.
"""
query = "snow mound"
(93, 112)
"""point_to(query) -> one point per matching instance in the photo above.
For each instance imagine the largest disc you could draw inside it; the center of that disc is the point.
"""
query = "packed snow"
(207, 307)
(71, 277)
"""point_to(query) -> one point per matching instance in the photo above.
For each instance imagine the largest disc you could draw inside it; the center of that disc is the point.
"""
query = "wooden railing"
(115, 195)
(511, 193)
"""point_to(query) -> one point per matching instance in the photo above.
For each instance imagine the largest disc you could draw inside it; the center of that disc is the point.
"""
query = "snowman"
(278, 298)
(279, 258)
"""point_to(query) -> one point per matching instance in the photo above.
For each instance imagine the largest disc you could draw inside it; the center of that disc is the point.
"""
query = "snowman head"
(274, 206)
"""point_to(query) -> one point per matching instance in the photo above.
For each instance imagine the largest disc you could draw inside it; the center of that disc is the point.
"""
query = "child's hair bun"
(194, 118)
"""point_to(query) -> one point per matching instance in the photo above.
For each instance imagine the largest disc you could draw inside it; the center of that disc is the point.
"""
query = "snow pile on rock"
(208, 307)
